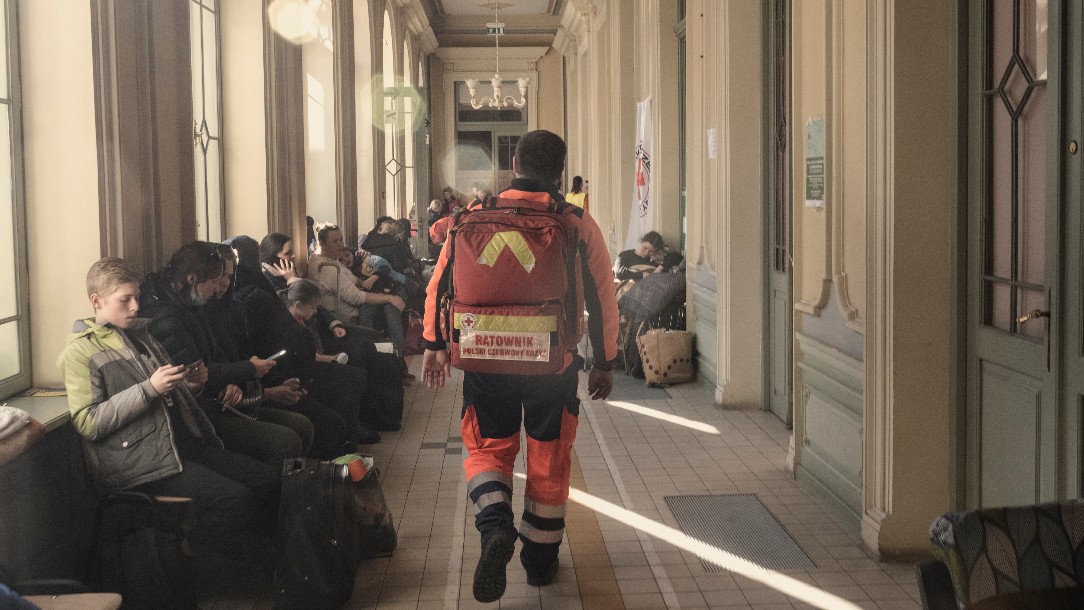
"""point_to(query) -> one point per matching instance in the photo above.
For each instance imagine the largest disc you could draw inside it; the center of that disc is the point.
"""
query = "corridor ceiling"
(462, 23)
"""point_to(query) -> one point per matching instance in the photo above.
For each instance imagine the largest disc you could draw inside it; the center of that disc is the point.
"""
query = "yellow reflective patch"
(514, 324)
(512, 240)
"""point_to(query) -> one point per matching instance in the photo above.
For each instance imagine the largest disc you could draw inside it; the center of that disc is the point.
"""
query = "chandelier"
(497, 100)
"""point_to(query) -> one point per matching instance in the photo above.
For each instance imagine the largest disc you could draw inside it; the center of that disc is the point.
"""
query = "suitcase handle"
(293, 465)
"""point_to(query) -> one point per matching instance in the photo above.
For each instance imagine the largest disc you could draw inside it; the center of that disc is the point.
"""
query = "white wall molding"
(837, 191)
(877, 484)
(807, 301)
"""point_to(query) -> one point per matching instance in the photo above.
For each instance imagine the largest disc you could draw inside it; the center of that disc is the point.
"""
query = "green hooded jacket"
(127, 432)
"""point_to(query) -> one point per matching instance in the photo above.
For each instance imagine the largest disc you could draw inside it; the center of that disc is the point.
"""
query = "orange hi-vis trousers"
(494, 409)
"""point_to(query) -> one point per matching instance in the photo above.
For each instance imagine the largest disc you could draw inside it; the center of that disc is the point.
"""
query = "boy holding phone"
(141, 427)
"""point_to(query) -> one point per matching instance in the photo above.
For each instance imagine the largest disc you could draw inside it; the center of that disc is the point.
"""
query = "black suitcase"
(318, 536)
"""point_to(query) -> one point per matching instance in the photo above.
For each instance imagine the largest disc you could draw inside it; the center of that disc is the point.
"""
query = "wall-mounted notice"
(814, 163)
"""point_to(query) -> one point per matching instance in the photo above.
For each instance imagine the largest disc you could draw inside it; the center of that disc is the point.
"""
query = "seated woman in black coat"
(644, 259)
(344, 389)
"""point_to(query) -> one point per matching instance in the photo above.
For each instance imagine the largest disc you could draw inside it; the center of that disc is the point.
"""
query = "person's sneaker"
(490, 579)
(545, 576)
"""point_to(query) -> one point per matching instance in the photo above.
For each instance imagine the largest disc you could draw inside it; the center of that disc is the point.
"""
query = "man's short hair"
(540, 154)
(110, 273)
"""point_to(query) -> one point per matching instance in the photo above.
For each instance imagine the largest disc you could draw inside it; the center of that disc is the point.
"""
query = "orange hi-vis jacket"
(594, 280)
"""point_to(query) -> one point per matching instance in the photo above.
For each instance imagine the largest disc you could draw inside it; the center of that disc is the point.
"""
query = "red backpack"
(512, 303)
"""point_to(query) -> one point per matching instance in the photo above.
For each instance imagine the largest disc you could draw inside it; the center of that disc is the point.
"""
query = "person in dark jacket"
(385, 240)
(340, 389)
(229, 323)
(646, 258)
(174, 300)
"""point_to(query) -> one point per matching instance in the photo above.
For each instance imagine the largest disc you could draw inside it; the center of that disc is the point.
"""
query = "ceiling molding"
(417, 23)
(565, 43)
(481, 59)
(437, 10)
(513, 24)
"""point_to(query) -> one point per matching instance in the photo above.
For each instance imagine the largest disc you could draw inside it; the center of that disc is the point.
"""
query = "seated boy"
(141, 427)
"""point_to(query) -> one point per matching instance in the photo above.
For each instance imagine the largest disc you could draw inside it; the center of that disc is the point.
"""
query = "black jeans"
(235, 497)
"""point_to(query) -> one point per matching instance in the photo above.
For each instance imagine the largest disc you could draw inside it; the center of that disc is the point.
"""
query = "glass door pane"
(1015, 165)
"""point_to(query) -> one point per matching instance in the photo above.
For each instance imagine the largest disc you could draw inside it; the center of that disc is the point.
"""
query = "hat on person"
(18, 431)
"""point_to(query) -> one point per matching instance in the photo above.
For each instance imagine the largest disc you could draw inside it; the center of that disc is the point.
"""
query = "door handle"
(1032, 315)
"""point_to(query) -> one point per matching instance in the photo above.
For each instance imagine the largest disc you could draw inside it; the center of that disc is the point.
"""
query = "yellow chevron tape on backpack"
(512, 240)
(505, 323)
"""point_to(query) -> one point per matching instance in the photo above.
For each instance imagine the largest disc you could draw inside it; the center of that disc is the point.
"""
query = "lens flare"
(294, 20)
(465, 165)
(396, 105)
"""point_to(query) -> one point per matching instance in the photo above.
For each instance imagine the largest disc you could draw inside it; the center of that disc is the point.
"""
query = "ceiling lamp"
(497, 100)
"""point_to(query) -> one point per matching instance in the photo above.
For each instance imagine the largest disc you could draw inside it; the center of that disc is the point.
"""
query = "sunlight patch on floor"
(662, 415)
(780, 582)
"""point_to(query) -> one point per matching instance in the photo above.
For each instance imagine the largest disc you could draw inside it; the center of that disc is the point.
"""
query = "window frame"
(204, 198)
(23, 379)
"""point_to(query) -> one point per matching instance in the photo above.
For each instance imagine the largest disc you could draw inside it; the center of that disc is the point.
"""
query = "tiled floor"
(623, 547)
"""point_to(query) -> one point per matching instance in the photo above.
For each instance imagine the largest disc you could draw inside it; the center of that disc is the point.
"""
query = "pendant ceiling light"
(497, 100)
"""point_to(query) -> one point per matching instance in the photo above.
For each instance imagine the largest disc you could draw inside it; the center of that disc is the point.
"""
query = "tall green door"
(1021, 286)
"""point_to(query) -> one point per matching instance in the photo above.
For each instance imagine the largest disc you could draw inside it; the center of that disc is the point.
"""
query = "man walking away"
(505, 305)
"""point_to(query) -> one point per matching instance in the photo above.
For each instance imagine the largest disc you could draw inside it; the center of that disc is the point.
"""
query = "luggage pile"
(332, 515)
(656, 305)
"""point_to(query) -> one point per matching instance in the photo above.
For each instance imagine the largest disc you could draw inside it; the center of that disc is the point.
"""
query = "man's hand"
(435, 368)
(231, 395)
(166, 377)
(262, 366)
(600, 383)
(396, 301)
(282, 395)
(196, 377)
(338, 331)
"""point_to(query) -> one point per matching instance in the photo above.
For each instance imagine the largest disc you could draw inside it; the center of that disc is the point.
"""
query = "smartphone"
(277, 355)
(188, 368)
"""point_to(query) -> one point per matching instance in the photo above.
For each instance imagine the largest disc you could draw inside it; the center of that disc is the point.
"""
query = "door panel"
(781, 311)
(1073, 163)
(1012, 410)
(1014, 257)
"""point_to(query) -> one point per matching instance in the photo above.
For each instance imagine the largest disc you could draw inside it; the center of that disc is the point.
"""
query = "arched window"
(317, 62)
(408, 109)
(14, 323)
(392, 163)
(206, 119)
(367, 97)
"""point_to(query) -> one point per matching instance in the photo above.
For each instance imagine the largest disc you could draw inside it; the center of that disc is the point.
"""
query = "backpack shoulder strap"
(560, 206)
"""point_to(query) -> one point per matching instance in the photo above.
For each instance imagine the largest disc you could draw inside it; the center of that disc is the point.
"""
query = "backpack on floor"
(511, 304)
(137, 557)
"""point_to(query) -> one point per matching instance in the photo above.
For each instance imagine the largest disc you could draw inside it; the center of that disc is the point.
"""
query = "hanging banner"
(640, 219)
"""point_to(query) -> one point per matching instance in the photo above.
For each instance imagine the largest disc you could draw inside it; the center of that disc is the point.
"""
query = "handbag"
(413, 343)
(376, 530)
(667, 356)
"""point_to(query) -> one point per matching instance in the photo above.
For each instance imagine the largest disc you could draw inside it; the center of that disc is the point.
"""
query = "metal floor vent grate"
(739, 524)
